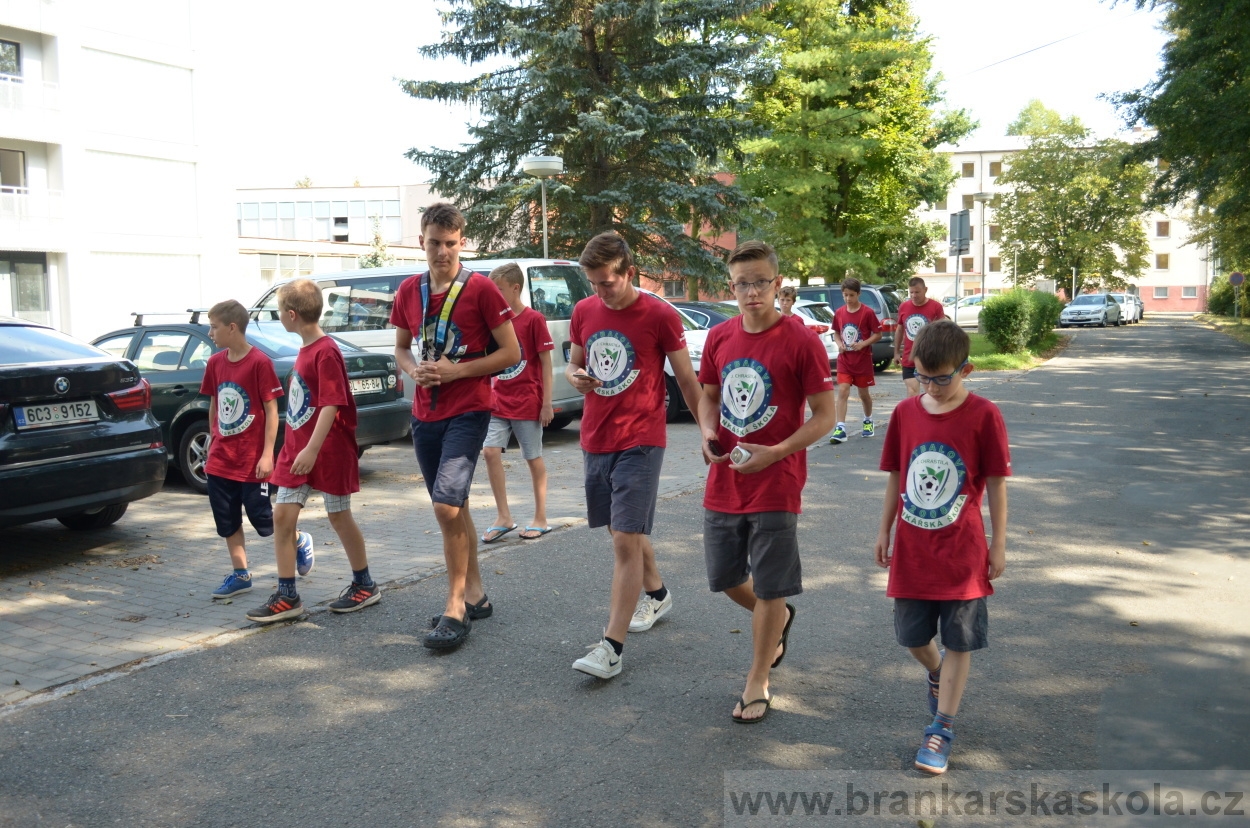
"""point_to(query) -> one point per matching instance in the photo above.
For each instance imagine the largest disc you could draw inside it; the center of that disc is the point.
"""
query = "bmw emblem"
(61, 385)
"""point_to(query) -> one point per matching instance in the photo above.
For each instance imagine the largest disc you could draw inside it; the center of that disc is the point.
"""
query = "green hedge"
(1220, 299)
(1005, 321)
(1043, 315)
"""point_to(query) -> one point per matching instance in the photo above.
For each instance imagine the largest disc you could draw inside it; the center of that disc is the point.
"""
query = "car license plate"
(42, 416)
(367, 385)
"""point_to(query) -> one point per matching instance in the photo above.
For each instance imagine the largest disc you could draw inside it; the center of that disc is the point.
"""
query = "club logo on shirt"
(611, 360)
(299, 407)
(850, 334)
(454, 347)
(514, 371)
(935, 482)
(745, 392)
(914, 323)
(233, 410)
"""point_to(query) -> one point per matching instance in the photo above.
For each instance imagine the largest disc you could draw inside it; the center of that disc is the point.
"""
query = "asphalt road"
(1119, 639)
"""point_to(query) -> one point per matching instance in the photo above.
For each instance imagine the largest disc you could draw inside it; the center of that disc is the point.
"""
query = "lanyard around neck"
(437, 338)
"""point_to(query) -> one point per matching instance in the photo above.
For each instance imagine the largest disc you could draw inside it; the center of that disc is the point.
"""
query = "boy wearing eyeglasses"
(943, 449)
(858, 328)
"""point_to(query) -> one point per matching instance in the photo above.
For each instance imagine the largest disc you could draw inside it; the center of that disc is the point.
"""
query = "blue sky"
(316, 95)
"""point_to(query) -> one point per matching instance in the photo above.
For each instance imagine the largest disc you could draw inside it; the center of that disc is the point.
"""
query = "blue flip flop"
(540, 530)
(501, 530)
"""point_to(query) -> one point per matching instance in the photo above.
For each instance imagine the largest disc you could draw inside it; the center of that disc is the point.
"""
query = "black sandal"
(474, 612)
(785, 635)
(449, 634)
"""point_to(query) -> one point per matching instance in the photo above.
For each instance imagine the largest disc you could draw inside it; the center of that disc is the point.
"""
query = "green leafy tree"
(1075, 202)
(846, 96)
(378, 255)
(1037, 119)
(636, 97)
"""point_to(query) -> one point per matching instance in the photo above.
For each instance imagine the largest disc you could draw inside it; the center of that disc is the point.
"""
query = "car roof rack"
(195, 314)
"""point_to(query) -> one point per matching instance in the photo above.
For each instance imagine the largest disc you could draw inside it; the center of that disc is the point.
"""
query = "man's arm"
(889, 513)
(306, 459)
(996, 488)
(403, 352)
(264, 466)
(582, 383)
(546, 415)
(683, 370)
(821, 422)
(212, 423)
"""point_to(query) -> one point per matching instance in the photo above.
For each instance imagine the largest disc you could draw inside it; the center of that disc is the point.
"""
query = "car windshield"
(1090, 299)
(22, 344)
(1119, 297)
(276, 341)
(818, 312)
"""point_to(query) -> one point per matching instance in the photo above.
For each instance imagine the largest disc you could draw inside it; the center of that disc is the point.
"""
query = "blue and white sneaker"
(839, 435)
(935, 751)
(869, 429)
(235, 584)
(304, 558)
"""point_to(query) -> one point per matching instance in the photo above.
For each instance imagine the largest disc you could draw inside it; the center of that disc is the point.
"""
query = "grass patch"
(986, 358)
(1226, 325)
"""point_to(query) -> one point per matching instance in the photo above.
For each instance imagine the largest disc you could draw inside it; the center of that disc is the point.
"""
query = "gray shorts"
(763, 546)
(965, 624)
(621, 488)
(299, 496)
(529, 436)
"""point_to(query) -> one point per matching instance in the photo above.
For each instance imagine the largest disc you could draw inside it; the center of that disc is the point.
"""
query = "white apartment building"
(110, 201)
(1176, 280)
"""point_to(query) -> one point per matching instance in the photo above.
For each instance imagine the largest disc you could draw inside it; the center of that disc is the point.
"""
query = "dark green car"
(172, 357)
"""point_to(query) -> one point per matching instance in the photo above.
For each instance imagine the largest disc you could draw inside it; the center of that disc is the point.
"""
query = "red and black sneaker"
(356, 596)
(277, 608)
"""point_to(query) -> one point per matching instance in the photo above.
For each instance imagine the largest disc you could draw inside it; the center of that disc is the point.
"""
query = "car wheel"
(193, 455)
(672, 399)
(95, 519)
(360, 452)
(1102, 323)
(558, 423)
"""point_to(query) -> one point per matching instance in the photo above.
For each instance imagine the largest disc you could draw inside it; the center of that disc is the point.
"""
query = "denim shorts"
(622, 487)
(763, 546)
(447, 453)
(965, 624)
(229, 498)
(529, 436)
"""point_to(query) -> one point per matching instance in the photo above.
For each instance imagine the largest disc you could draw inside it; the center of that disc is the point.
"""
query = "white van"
(358, 309)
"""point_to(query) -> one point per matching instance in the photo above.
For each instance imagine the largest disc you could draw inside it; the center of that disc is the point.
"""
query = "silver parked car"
(1092, 309)
(1130, 307)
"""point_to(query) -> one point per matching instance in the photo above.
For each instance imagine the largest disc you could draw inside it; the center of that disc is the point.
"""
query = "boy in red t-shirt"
(521, 406)
(914, 314)
(857, 328)
(759, 372)
(620, 339)
(943, 450)
(318, 453)
(243, 392)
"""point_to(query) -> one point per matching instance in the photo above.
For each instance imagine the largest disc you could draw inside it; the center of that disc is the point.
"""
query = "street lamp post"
(981, 198)
(1073, 284)
(542, 166)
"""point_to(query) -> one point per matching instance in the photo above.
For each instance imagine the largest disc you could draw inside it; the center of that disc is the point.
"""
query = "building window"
(972, 232)
(939, 265)
(997, 201)
(967, 264)
(1161, 293)
(969, 170)
(994, 232)
(968, 202)
(1161, 261)
(675, 288)
(13, 171)
(996, 169)
(970, 291)
(275, 267)
(1163, 229)
(24, 287)
(1189, 292)
(10, 58)
(941, 205)
(996, 264)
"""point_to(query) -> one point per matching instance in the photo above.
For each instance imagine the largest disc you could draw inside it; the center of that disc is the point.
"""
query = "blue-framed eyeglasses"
(942, 380)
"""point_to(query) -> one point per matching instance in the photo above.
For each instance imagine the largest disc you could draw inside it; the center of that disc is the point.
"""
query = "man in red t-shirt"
(943, 450)
(759, 373)
(522, 406)
(620, 339)
(456, 320)
(857, 329)
(915, 313)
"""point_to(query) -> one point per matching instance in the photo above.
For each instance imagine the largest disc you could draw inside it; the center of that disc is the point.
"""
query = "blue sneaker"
(304, 558)
(838, 436)
(935, 751)
(235, 584)
(868, 430)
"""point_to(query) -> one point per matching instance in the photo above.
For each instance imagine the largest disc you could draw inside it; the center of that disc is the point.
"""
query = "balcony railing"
(18, 93)
(19, 203)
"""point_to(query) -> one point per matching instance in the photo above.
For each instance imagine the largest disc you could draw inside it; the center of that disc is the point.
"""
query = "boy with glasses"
(943, 450)
(858, 328)
(917, 311)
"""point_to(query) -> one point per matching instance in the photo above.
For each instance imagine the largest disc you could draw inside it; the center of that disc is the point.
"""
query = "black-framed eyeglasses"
(941, 381)
(745, 287)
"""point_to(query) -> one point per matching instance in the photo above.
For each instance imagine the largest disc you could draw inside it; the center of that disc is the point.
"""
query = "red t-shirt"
(913, 317)
(241, 390)
(518, 391)
(625, 350)
(320, 379)
(765, 380)
(940, 552)
(855, 327)
(480, 309)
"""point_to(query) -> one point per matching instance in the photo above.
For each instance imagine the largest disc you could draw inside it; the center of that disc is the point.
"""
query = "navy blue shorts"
(228, 498)
(447, 452)
(965, 624)
(622, 487)
(909, 372)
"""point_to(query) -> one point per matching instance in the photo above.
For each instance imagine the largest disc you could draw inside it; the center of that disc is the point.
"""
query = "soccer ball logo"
(746, 391)
(610, 356)
(934, 479)
(850, 335)
(914, 323)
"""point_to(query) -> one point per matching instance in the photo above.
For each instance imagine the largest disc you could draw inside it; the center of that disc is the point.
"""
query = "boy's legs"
(634, 571)
(538, 474)
(529, 435)
(909, 380)
(865, 397)
(497, 435)
(285, 520)
(842, 401)
(225, 498)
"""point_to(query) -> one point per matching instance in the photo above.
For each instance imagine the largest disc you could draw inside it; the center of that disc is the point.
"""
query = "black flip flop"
(474, 612)
(785, 634)
(768, 705)
(449, 634)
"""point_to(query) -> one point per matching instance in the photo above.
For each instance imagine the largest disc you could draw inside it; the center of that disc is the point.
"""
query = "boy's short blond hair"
(941, 345)
(302, 296)
(510, 273)
(789, 292)
(229, 312)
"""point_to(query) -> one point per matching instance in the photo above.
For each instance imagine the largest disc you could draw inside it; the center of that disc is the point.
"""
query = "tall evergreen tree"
(636, 96)
(847, 98)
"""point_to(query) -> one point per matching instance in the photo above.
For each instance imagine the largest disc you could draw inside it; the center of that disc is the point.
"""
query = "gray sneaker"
(649, 611)
(601, 662)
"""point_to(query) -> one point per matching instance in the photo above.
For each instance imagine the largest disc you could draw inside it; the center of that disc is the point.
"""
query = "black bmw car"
(78, 441)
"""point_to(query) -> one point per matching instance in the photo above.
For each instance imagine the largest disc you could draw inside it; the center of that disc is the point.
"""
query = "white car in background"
(967, 313)
(818, 317)
(1130, 307)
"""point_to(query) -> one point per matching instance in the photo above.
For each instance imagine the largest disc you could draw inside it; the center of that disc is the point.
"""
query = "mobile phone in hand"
(715, 448)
